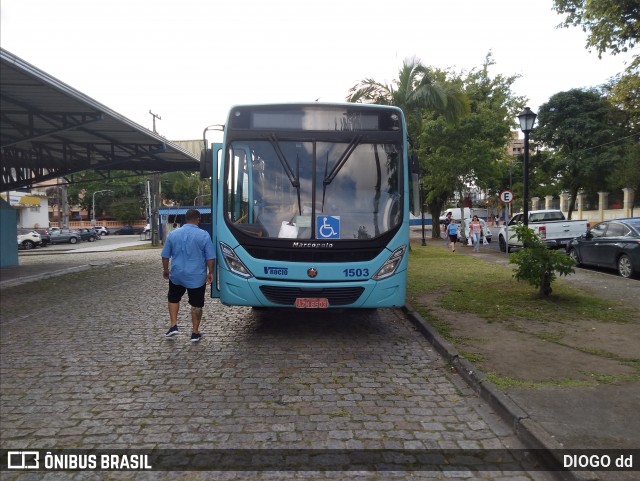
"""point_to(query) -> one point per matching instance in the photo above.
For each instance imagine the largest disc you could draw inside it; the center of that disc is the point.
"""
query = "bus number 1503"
(356, 272)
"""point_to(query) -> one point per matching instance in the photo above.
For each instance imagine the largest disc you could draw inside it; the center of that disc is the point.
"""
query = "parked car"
(89, 235)
(613, 244)
(59, 236)
(28, 239)
(550, 224)
(127, 230)
(44, 236)
(101, 230)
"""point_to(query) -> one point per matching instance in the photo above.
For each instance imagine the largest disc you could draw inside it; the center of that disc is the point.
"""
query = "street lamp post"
(422, 205)
(527, 118)
(93, 205)
(197, 197)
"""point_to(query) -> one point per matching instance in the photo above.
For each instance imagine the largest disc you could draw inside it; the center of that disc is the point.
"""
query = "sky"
(190, 61)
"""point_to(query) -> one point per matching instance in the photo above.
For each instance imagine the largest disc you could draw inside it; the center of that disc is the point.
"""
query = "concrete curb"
(527, 430)
(18, 281)
(112, 247)
(82, 250)
(46, 275)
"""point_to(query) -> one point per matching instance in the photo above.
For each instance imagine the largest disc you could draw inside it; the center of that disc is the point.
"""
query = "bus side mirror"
(206, 168)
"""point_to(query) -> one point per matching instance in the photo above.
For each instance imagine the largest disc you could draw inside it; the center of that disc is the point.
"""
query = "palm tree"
(415, 90)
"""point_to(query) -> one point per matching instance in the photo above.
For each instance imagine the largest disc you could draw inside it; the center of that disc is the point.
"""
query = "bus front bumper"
(389, 292)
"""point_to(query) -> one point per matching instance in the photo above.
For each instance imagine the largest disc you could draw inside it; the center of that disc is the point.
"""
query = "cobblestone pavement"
(85, 364)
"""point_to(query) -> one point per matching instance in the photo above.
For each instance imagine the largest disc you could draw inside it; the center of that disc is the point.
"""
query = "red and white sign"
(506, 196)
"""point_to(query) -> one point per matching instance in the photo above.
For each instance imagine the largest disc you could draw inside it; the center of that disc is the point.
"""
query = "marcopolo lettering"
(276, 271)
(314, 245)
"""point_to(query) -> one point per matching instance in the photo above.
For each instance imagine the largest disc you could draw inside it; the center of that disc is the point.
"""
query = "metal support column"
(155, 207)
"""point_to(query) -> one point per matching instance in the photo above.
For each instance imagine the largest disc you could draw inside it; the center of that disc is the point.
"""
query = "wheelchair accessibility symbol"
(328, 227)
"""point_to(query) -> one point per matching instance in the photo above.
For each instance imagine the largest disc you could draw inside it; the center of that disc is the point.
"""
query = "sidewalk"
(58, 263)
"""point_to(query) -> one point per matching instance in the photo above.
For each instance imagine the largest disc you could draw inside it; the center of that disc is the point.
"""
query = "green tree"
(122, 184)
(184, 188)
(624, 93)
(127, 210)
(180, 188)
(583, 129)
(416, 90)
(536, 264)
(611, 25)
(472, 151)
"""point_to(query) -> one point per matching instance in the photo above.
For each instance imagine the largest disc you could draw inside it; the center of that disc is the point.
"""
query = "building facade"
(31, 208)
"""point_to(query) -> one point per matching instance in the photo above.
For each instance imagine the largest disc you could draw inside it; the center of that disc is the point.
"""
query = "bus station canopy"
(49, 130)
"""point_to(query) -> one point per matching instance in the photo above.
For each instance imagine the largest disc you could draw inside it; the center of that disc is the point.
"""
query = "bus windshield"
(313, 189)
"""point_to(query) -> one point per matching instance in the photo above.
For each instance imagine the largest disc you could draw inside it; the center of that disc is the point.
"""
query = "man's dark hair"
(192, 214)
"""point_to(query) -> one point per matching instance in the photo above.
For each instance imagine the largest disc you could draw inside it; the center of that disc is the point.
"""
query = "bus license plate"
(312, 303)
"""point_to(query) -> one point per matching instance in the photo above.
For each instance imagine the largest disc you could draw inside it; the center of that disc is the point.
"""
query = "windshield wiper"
(339, 165)
(293, 178)
(343, 160)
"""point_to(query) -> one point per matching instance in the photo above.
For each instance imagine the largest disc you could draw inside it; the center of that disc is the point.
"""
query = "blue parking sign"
(328, 227)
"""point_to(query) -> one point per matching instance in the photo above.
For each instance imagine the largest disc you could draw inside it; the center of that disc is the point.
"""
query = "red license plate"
(312, 303)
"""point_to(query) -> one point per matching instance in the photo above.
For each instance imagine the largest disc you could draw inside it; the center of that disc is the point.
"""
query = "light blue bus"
(310, 206)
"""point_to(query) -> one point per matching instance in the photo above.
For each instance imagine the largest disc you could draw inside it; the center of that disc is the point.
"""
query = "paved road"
(84, 364)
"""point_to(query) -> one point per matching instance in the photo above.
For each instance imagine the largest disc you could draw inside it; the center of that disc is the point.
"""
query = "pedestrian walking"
(447, 221)
(452, 234)
(475, 232)
(188, 260)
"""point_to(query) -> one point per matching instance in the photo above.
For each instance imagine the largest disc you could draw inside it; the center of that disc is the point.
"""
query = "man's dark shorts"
(196, 295)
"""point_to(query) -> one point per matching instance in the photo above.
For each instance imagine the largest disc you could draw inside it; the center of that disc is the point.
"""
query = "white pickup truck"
(551, 225)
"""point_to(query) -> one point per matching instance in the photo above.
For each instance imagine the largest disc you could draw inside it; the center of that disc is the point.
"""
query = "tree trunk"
(545, 285)
(572, 204)
(434, 210)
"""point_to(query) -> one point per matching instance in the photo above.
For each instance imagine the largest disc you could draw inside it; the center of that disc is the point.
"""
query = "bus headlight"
(390, 266)
(234, 264)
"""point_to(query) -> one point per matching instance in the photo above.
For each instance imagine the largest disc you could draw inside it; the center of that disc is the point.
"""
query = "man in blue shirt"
(192, 257)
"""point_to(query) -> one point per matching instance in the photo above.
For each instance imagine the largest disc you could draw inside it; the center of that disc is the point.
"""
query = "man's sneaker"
(172, 332)
(195, 337)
